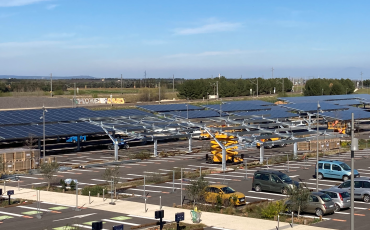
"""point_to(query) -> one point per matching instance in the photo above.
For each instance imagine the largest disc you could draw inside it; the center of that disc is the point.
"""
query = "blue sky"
(191, 39)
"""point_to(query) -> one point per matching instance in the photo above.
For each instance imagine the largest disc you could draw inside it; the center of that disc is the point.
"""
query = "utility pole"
(173, 83)
(74, 97)
(317, 147)
(362, 81)
(51, 85)
(217, 90)
(257, 86)
(121, 85)
(159, 89)
(145, 79)
(354, 147)
(272, 70)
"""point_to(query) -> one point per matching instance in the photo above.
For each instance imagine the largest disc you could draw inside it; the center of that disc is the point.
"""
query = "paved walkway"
(134, 208)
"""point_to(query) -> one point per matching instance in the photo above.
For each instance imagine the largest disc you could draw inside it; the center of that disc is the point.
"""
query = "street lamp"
(43, 129)
(317, 147)
(187, 111)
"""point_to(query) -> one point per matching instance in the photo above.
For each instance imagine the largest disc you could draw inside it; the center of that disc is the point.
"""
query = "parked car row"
(320, 203)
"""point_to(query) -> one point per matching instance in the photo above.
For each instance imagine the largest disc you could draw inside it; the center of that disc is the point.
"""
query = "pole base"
(112, 203)
(76, 209)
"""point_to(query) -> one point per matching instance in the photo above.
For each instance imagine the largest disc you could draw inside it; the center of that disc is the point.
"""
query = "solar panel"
(236, 107)
(347, 114)
(195, 114)
(312, 107)
(269, 114)
(170, 107)
(253, 102)
(51, 130)
(345, 102)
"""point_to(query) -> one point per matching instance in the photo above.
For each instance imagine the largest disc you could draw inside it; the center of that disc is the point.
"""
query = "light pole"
(121, 85)
(322, 91)
(51, 85)
(346, 91)
(187, 111)
(43, 128)
(354, 147)
(317, 147)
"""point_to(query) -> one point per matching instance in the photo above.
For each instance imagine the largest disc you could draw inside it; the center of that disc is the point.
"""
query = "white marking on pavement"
(119, 222)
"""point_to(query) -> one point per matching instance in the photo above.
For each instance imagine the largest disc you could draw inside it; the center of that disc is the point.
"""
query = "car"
(273, 181)
(225, 192)
(318, 203)
(334, 170)
(341, 199)
(361, 188)
(74, 139)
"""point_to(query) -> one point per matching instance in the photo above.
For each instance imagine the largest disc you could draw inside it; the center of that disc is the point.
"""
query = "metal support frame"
(352, 174)
(262, 153)
(295, 150)
(190, 144)
(155, 148)
(78, 143)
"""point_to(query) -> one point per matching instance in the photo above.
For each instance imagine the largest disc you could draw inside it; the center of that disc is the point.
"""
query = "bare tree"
(112, 174)
(30, 142)
(298, 198)
(48, 171)
(196, 190)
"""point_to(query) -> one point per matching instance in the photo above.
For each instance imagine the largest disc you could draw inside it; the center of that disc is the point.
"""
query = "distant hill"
(45, 77)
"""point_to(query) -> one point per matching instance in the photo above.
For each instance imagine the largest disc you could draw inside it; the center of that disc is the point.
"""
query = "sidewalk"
(136, 208)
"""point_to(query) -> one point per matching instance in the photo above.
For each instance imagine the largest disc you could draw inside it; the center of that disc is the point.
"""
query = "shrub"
(143, 155)
(272, 209)
(72, 185)
(63, 184)
(94, 190)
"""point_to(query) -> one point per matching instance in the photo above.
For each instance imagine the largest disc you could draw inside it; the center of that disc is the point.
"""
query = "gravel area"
(10, 103)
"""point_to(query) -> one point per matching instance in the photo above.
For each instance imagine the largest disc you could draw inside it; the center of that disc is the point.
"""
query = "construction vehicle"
(220, 141)
(337, 126)
(267, 138)
(122, 144)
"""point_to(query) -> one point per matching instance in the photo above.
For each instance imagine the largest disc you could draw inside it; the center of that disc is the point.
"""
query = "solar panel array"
(253, 102)
(170, 107)
(61, 115)
(195, 114)
(345, 102)
(360, 97)
(347, 114)
(24, 131)
(235, 107)
(273, 114)
(312, 107)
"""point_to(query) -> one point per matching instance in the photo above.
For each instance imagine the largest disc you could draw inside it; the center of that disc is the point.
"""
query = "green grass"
(104, 91)
(362, 91)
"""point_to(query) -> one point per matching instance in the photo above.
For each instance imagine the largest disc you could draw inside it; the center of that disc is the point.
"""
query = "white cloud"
(60, 35)
(9, 3)
(52, 6)
(32, 44)
(209, 28)
(210, 53)
(153, 42)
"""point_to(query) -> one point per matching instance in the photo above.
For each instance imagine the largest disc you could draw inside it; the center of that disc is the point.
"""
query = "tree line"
(323, 86)
(199, 88)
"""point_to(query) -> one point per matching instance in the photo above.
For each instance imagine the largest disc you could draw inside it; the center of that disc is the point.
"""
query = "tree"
(112, 174)
(196, 190)
(48, 170)
(298, 198)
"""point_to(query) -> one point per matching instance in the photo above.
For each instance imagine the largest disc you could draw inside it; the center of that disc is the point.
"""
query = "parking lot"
(298, 170)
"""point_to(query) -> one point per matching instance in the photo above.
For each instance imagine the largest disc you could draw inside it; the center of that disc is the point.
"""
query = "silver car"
(341, 199)
(361, 188)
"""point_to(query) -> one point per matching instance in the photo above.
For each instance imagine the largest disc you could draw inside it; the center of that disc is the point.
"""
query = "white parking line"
(259, 198)
(120, 222)
(146, 190)
(11, 214)
(275, 194)
(33, 208)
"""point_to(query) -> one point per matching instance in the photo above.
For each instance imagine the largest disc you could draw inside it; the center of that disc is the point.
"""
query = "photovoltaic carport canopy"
(326, 98)
(236, 107)
(195, 114)
(170, 107)
(312, 106)
(62, 115)
(346, 115)
(51, 130)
